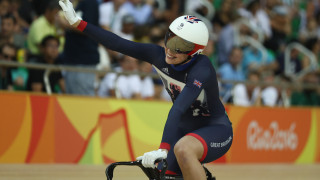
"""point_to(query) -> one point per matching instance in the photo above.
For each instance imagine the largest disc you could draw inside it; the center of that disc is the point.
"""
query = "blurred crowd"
(269, 44)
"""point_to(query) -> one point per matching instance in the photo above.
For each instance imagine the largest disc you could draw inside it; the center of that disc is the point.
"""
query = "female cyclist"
(197, 129)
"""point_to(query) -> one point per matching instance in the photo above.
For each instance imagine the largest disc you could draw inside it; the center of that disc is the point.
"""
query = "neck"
(185, 64)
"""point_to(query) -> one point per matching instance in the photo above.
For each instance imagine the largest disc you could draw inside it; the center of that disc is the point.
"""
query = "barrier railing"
(48, 68)
(313, 65)
(241, 39)
(52, 68)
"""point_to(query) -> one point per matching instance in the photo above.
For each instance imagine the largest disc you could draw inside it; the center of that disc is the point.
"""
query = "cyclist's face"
(174, 58)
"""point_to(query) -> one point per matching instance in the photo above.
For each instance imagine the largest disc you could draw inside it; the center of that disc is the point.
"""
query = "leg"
(188, 152)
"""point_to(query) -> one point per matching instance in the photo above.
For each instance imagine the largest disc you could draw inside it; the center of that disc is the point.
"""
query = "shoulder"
(204, 63)
(202, 67)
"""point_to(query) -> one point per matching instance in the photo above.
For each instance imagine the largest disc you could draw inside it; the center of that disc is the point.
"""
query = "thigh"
(216, 141)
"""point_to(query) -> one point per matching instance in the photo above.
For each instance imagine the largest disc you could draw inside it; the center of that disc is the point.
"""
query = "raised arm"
(141, 51)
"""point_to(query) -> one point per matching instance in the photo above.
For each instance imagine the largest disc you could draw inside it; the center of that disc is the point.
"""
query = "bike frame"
(151, 173)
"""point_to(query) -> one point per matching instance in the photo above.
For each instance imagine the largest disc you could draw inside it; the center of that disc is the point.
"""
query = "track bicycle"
(151, 173)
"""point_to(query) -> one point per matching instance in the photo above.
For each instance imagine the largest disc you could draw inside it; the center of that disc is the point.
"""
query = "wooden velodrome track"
(96, 172)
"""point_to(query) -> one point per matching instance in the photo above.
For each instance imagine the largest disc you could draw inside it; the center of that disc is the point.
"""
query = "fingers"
(149, 158)
(148, 162)
(63, 5)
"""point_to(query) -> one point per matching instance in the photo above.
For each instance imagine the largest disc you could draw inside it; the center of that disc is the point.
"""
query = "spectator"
(281, 29)
(111, 15)
(147, 86)
(40, 6)
(12, 78)
(284, 91)
(49, 55)
(311, 30)
(253, 61)
(210, 51)
(156, 34)
(309, 96)
(231, 71)
(42, 27)
(198, 6)
(269, 93)
(306, 12)
(172, 9)
(127, 29)
(257, 17)
(313, 44)
(24, 13)
(140, 10)
(226, 41)
(127, 32)
(81, 51)
(8, 34)
(4, 7)
(224, 15)
(123, 86)
(294, 66)
(8, 53)
(249, 94)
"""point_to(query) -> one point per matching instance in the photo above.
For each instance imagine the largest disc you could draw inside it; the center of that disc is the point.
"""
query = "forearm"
(141, 51)
(172, 131)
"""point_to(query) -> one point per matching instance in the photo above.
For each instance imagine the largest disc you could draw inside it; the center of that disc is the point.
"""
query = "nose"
(171, 51)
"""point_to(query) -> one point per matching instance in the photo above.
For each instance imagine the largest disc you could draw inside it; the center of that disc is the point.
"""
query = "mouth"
(170, 56)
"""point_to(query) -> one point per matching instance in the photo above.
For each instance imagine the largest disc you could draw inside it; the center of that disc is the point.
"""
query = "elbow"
(176, 112)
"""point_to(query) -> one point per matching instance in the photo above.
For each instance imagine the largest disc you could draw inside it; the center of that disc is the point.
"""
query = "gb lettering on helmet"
(187, 35)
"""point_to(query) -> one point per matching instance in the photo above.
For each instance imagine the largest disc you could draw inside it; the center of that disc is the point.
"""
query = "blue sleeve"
(141, 51)
(200, 75)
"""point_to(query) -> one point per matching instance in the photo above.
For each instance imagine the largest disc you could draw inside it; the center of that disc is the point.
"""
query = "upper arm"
(197, 80)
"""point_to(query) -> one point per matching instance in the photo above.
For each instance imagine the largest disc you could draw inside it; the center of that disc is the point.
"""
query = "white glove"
(149, 158)
(69, 12)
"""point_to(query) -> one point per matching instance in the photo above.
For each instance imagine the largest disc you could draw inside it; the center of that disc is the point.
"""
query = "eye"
(178, 51)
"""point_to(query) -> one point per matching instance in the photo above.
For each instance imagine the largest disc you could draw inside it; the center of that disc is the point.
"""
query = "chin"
(168, 61)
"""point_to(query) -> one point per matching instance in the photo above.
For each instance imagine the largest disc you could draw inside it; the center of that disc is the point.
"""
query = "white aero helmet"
(187, 35)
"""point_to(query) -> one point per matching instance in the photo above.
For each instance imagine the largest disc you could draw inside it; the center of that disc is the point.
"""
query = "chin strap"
(185, 64)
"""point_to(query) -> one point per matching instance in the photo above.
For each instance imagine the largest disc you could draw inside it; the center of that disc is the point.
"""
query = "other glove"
(69, 12)
(149, 158)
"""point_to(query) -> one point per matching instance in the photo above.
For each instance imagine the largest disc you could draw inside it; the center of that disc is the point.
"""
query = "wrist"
(76, 24)
(80, 25)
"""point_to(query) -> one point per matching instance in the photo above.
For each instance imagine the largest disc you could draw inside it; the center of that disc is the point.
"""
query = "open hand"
(69, 12)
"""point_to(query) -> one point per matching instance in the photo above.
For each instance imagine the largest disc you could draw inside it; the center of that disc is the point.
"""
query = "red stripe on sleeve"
(82, 25)
(165, 146)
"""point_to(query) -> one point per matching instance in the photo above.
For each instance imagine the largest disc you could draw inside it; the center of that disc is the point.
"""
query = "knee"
(182, 152)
